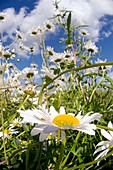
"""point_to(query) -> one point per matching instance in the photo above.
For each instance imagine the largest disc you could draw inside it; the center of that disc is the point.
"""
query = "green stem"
(21, 105)
(41, 95)
(73, 147)
(3, 130)
(12, 155)
(95, 89)
(61, 154)
(89, 163)
(104, 127)
(38, 156)
(78, 69)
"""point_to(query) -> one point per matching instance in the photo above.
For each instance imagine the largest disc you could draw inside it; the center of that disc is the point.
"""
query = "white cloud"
(88, 12)
(13, 20)
(107, 33)
(110, 74)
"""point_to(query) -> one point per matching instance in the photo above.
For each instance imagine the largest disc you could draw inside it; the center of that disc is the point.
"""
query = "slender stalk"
(27, 97)
(41, 95)
(73, 147)
(104, 127)
(89, 163)
(57, 166)
(78, 69)
(38, 156)
(3, 130)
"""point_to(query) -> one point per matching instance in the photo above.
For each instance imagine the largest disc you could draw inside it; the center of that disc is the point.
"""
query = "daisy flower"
(49, 26)
(49, 122)
(37, 30)
(20, 36)
(15, 123)
(105, 68)
(91, 47)
(84, 32)
(29, 72)
(8, 132)
(3, 16)
(50, 50)
(105, 146)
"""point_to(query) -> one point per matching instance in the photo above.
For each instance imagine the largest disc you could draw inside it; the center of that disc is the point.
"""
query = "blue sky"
(97, 14)
(17, 4)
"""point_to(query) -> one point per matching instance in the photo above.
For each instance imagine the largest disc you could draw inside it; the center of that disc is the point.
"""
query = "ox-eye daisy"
(105, 146)
(52, 121)
(8, 132)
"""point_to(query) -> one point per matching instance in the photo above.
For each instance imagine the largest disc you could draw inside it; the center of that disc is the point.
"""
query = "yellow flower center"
(66, 120)
(6, 131)
(16, 124)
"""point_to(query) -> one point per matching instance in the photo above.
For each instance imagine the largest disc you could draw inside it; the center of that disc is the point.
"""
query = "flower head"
(103, 68)
(15, 123)
(8, 132)
(105, 146)
(84, 32)
(91, 47)
(29, 72)
(37, 31)
(3, 16)
(49, 26)
(52, 121)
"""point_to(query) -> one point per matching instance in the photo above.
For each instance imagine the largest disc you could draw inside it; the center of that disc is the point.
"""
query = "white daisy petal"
(35, 131)
(111, 142)
(102, 143)
(53, 112)
(88, 119)
(110, 125)
(79, 116)
(28, 116)
(50, 129)
(102, 154)
(106, 134)
(63, 135)
(55, 134)
(105, 145)
(101, 148)
(62, 110)
(43, 136)
(88, 131)
(87, 128)
(94, 116)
